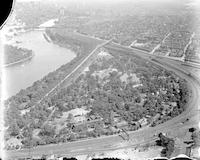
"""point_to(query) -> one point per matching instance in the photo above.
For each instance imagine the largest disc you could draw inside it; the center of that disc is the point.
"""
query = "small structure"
(51, 157)
(122, 123)
(156, 117)
(143, 121)
(37, 158)
(78, 116)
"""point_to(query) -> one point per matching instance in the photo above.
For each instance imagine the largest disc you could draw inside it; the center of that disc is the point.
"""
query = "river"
(47, 57)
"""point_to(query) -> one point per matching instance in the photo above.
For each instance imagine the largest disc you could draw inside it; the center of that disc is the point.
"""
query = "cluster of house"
(175, 44)
(194, 55)
(147, 41)
(78, 117)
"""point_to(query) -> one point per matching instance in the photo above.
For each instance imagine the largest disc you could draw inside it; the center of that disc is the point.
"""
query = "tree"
(72, 137)
(13, 129)
(70, 118)
(47, 130)
(168, 145)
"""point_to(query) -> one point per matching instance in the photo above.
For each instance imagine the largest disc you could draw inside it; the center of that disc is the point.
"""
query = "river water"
(47, 57)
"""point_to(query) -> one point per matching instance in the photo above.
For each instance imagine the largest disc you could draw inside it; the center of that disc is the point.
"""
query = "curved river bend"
(47, 58)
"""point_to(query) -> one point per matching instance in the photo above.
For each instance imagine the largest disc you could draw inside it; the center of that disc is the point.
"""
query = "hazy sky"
(195, 1)
(113, 1)
(76, 0)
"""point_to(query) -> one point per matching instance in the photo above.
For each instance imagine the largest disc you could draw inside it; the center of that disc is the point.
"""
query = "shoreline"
(24, 59)
(20, 61)
(87, 139)
(54, 40)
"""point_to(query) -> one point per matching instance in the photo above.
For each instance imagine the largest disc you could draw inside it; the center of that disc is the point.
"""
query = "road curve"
(138, 137)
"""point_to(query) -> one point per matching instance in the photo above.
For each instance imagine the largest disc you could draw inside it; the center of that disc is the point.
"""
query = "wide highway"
(138, 137)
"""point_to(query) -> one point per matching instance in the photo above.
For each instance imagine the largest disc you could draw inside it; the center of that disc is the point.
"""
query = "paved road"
(136, 137)
(73, 71)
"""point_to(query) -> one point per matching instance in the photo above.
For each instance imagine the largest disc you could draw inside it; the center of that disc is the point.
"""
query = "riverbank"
(15, 55)
(48, 57)
(80, 44)
(40, 87)
(28, 102)
(28, 98)
(20, 61)
(46, 83)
